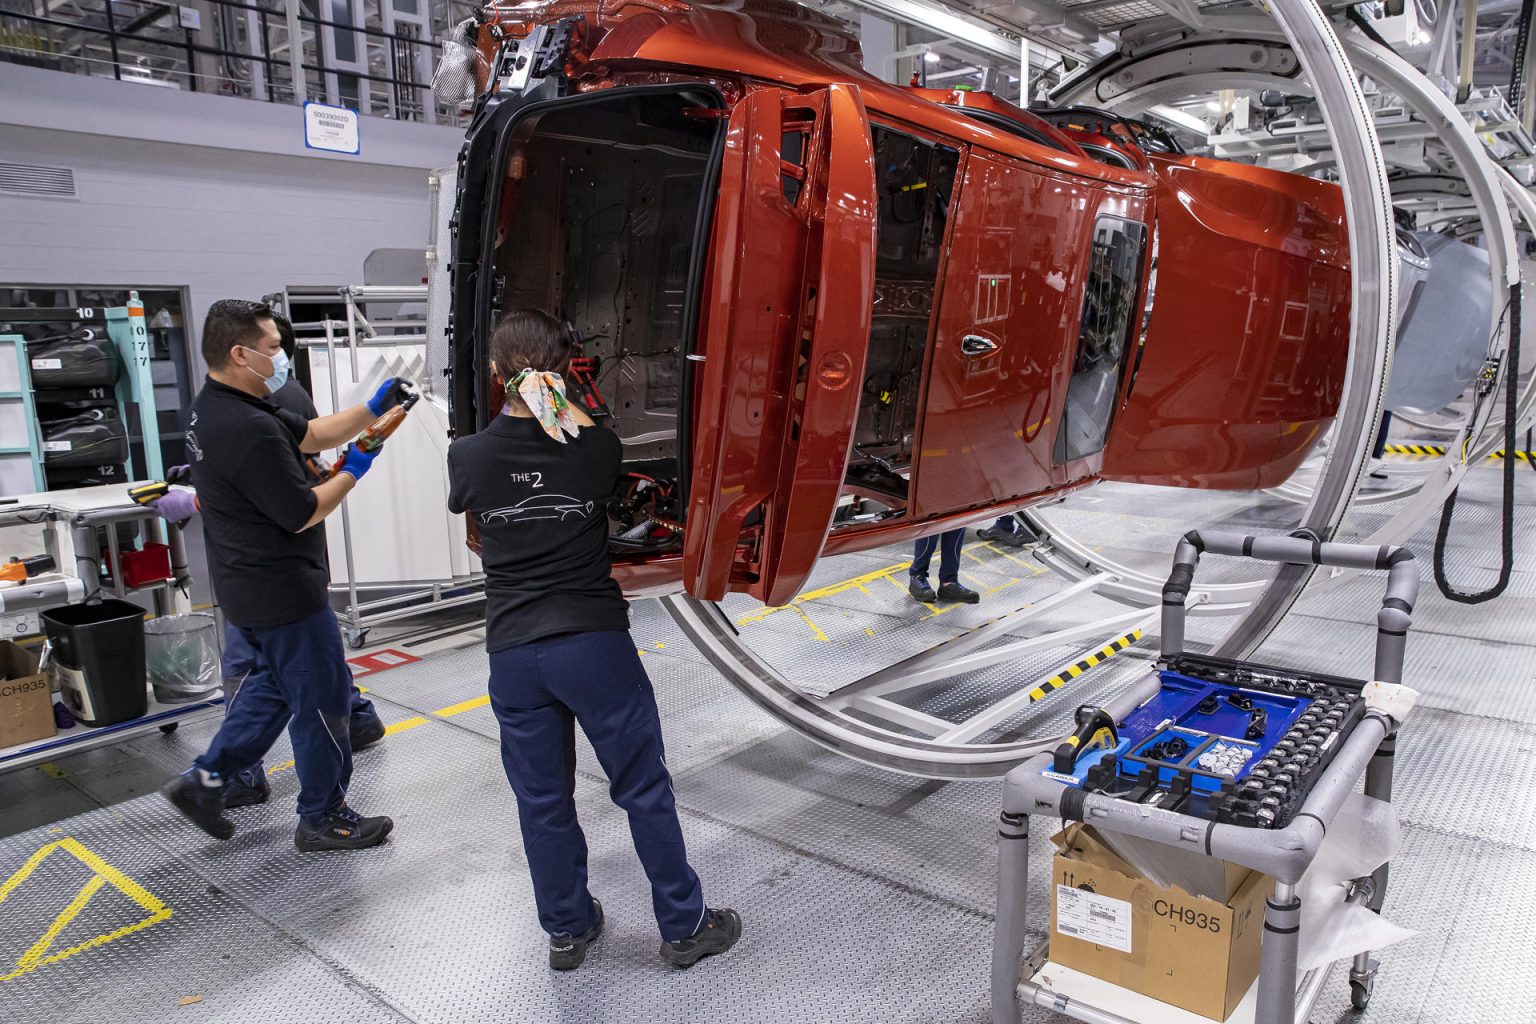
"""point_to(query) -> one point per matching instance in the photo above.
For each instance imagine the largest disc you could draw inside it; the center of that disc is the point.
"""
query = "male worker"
(268, 568)
(250, 786)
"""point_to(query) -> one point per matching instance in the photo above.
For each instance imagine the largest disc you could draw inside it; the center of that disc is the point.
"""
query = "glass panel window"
(1109, 312)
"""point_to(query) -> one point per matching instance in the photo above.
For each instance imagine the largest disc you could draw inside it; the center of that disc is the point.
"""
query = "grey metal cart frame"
(1283, 854)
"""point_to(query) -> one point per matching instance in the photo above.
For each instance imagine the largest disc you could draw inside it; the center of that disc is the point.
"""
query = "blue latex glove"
(390, 394)
(177, 506)
(357, 461)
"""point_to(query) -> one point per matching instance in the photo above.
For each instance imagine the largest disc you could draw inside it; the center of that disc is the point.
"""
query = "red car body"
(903, 310)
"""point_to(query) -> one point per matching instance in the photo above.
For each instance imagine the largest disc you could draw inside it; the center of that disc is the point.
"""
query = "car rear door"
(1242, 364)
(785, 319)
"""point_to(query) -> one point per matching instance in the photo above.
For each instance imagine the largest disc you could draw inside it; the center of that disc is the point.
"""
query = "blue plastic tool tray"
(1174, 715)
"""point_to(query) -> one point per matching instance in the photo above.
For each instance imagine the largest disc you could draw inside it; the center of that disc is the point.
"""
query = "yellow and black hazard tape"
(1071, 672)
(1414, 449)
(1440, 449)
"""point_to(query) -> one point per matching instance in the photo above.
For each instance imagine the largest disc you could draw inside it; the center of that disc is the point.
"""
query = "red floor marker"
(378, 661)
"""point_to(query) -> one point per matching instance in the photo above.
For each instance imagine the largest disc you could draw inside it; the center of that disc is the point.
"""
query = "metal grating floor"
(867, 895)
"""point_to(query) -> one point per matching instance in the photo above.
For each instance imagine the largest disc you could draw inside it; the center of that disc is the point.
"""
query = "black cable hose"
(1522, 41)
(1507, 548)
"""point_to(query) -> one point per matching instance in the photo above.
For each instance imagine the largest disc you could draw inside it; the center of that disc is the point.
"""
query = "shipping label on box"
(1109, 921)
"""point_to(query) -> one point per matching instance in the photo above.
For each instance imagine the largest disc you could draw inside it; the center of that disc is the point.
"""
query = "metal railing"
(376, 56)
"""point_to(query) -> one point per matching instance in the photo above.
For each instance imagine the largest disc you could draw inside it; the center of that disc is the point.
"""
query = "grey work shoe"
(719, 933)
(566, 952)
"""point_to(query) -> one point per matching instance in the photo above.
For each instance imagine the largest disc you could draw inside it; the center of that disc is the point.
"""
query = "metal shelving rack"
(354, 331)
(79, 523)
(16, 396)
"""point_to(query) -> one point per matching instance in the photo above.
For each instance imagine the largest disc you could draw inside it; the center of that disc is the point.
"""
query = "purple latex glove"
(177, 506)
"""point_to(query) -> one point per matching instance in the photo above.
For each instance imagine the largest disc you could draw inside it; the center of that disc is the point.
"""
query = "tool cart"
(1226, 761)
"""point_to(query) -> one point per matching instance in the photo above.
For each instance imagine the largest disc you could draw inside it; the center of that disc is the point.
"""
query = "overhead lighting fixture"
(1181, 119)
(931, 57)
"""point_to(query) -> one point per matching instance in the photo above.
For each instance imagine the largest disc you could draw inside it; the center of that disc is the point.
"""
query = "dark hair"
(529, 338)
(232, 322)
(285, 334)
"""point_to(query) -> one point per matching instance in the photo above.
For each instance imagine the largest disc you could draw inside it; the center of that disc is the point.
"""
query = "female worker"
(536, 482)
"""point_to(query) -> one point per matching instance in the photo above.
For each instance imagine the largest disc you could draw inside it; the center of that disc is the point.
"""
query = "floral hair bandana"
(544, 393)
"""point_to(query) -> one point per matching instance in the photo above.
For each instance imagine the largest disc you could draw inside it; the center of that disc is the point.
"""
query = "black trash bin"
(98, 650)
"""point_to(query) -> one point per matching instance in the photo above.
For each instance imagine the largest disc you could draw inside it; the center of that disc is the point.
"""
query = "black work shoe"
(1007, 538)
(921, 590)
(719, 933)
(247, 789)
(955, 593)
(365, 732)
(566, 952)
(342, 829)
(198, 795)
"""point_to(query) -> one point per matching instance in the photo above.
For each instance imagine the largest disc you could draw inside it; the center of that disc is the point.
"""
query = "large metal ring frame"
(1373, 287)
(1492, 189)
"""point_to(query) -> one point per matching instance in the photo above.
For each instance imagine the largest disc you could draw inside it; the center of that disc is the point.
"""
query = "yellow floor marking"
(103, 875)
(52, 770)
(462, 706)
(797, 605)
(404, 724)
(281, 766)
(361, 689)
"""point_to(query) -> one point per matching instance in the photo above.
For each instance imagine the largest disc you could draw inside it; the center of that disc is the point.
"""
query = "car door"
(1242, 364)
(785, 320)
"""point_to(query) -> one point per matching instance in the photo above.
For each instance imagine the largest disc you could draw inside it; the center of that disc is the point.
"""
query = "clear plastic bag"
(181, 654)
(454, 80)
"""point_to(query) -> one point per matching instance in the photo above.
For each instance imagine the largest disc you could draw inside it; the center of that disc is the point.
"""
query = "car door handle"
(976, 345)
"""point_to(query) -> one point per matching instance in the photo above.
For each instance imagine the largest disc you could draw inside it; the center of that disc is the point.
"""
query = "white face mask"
(279, 370)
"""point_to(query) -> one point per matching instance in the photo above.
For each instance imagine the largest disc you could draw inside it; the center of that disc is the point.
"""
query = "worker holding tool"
(537, 480)
(268, 566)
(365, 727)
(950, 588)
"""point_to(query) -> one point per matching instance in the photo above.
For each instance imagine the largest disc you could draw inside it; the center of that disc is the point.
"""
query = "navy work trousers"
(539, 691)
(949, 556)
(239, 661)
(300, 682)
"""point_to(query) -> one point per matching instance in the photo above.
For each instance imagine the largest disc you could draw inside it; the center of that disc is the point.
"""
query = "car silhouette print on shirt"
(540, 506)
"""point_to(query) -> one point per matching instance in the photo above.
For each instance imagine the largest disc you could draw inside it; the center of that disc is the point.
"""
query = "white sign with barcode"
(58, 446)
(47, 364)
(1101, 920)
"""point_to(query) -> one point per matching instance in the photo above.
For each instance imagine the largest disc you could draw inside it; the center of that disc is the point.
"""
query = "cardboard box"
(26, 698)
(1109, 921)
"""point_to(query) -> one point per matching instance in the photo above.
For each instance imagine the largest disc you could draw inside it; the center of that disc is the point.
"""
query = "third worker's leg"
(922, 557)
(950, 588)
(600, 678)
(538, 751)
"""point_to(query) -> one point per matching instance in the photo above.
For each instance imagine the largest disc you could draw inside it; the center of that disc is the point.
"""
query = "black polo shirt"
(542, 509)
(255, 497)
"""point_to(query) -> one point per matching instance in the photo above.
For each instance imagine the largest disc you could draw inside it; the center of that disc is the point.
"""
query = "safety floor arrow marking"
(103, 875)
